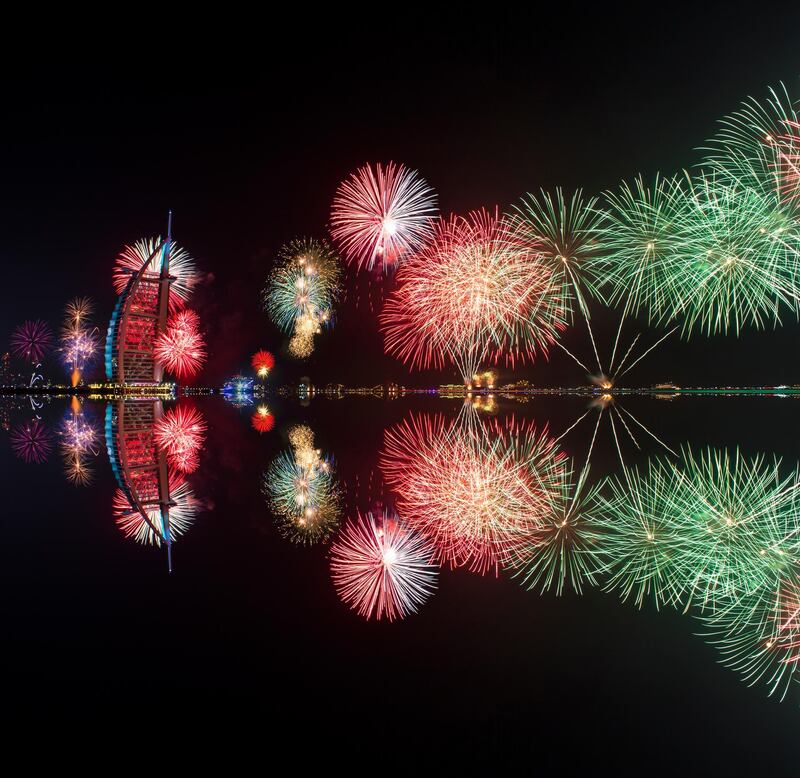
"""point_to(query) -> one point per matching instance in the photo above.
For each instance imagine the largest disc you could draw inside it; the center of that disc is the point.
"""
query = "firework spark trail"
(79, 340)
(382, 569)
(789, 165)
(382, 214)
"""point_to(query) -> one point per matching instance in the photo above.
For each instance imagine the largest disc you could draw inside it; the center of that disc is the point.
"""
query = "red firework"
(181, 268)
(32, 441)
(262, 420)
(478, 497)
(382, 214)
(477, 291)
(180, 348)
(180, 432)
(31, 340)
(263, 362)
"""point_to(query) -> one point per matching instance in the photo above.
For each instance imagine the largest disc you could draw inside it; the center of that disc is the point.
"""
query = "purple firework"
(31, 340)
(32, 441)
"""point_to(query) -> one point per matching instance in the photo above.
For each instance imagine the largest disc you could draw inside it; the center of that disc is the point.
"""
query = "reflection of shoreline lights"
(300, 490)
(262, 420)
(31, 441)
(382, 214)
(238, 391)
(476, 292)
(31, 340)
(381, 569)
(180, 348)
(263, 362)
(182, 513)
(476, 495)
(181, 269)
(180, 433)
(301, 292)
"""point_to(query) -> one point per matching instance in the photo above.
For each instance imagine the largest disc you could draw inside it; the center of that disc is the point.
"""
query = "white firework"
(382, 569)
(381, 214)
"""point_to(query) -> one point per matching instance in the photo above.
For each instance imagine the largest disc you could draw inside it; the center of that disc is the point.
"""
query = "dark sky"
(244, 129)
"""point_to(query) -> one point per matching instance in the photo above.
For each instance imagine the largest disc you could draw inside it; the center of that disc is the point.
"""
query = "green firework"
(304, 284)
(710, 528)
(565, 231)
(561, 553)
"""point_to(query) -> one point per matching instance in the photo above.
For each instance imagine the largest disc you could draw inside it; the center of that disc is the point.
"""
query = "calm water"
(248, 633)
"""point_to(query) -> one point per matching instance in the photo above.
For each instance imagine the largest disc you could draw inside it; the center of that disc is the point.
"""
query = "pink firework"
(381, 569)
(32, 441)
(789, 164)
(382, 214)
(477, 496)
(181, 348)
(181, 268)
(181, 432)
(31, 340)
(478, 291)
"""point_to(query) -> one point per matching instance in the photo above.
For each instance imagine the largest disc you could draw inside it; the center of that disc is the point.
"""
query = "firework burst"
(180, 433)
(381, 569)
(262, 363)
(477, 291)
(561, 551)
(32, 441)
(262, 419)
(79, 340)
(181, 268)
(301, 492)
(748, 147)
(477, 495)
(382, 214)
(31, 341)
(181, 348)
(301, 292)
(151, 531)
(715, 526)
(759, 635)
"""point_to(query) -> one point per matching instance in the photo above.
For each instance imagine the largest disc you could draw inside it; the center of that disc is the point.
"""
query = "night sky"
(244, 127)
(247, 147)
